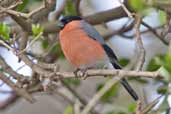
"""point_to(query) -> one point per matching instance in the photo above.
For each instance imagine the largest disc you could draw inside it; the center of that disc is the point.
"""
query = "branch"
(9, 70)
(60, 6)
(94, 19)
(123, 29)
(141, 53)
(20, 91)
(155, 33)
(107, 72)
(106, 16)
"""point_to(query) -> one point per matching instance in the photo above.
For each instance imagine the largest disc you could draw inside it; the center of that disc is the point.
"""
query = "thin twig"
(155, 33)
(7, 46)
(139, 107)
(126, 10)
(31, 43)
(141, 53)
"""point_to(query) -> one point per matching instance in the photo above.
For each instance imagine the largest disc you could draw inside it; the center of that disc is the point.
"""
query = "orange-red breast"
(83, 46)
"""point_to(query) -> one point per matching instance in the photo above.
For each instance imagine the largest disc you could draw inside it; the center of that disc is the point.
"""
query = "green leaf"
(37, 29)
(132, 107)
(123, 61)
(137, 5)
(159, 61)
(45, 44)
(4, 31)
(162, 89)
(69, 110)
(139, 80)
(167, 60)
(22, 6)
(162, 63)
(162, 17)
(152, 66)
(165, 74)
(113, 91)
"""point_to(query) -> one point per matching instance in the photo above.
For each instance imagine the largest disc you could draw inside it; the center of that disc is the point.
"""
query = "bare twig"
(150, 106)
(141, 49)
(108, 72)
(7, 46)
(139, 108)
(126, 10)
(155, 33)
(31, 43)
(124, 28)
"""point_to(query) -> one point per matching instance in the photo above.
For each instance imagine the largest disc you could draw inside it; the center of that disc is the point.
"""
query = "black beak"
(60, 25)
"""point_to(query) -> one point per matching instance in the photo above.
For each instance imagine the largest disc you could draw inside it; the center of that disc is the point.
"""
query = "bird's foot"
(81, 73)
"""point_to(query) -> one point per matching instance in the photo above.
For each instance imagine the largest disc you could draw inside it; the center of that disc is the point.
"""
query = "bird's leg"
(81, 73)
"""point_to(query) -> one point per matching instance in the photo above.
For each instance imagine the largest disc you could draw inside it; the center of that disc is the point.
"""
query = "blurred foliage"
(163, 64)
(113, 91)
(69, 110)
(45, 43)
(138, 5)
(70, 8)
(114, 112)
(37, 29)
(73, 82)
(163, 89)
(160, 60)
(57, 49)
(162, 17)
(123, 61)
(23, 7)
(130, 109)
(4, 31)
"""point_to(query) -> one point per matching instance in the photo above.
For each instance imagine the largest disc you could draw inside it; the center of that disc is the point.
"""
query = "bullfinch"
(84, 47)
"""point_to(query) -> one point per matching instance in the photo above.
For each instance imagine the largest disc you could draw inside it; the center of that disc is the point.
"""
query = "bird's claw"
(81, 73)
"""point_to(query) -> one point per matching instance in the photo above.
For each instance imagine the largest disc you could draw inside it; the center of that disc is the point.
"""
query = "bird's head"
(65, 20)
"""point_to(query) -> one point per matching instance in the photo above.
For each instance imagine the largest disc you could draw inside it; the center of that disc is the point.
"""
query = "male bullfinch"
(84, 47)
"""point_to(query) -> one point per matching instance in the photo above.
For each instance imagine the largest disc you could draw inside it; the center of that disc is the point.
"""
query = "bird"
(84, 47)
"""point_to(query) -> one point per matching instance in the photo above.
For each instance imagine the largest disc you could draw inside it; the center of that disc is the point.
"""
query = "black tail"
(113, 60)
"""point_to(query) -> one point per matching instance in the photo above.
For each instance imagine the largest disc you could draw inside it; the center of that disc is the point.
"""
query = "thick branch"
(20, 91)
(9, 70)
